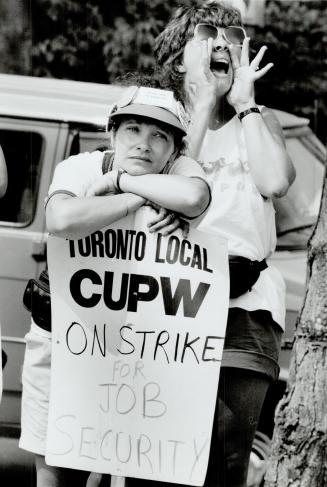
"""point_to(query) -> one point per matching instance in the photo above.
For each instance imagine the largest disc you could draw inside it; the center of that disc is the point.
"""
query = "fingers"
(97, 188)
(165, 226)
(233, 51)
(245, 52)
(165, 222)
(171, 228)
(209, 47)
(185, 227)
(103, 185)
(206, 49)
(160, 214)
(256, 62)
(258, 58)
(261, 72)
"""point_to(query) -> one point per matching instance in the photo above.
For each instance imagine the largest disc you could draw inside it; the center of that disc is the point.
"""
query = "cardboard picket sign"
(138, 324)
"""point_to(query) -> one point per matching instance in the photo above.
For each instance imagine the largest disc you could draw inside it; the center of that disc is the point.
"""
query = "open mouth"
(221, 66)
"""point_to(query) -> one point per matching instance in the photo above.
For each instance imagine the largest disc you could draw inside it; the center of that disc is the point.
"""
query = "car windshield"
(296, 213)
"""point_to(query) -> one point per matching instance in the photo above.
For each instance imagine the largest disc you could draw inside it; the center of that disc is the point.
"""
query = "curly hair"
(181, 26)
(147, 79)
(170, 43)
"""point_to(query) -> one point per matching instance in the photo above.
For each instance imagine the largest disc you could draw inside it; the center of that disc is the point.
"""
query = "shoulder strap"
(107, 162)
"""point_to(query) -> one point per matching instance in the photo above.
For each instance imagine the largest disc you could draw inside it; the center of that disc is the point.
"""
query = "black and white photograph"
(163, 243)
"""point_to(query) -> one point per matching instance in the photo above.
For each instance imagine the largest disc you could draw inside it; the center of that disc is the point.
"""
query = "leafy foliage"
(97, 40)
(68, 40)
(295, 33)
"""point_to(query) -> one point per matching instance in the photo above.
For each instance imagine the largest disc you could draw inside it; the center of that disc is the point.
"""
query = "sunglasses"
(233, 34)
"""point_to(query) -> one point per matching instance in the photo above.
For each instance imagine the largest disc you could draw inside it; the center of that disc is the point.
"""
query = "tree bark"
(299, 450)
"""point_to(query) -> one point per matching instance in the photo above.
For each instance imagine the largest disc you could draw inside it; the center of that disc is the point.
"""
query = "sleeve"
(74, 175)
(186, 166)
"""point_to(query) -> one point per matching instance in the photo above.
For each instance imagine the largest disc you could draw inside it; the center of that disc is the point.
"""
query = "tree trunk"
(299, 450)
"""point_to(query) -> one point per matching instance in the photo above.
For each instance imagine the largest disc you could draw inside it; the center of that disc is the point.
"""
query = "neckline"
(219, 129)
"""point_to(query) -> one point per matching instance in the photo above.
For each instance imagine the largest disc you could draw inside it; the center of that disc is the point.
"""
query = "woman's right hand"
(200, 81)
(241, 95)
(105, 184)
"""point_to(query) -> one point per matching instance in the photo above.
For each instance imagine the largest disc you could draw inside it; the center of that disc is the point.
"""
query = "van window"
(90, 141)
(297, 212)
(22, 150)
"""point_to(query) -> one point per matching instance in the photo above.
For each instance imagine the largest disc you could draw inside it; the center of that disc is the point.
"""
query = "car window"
(90, 141)
(296, 213)
(22, 151)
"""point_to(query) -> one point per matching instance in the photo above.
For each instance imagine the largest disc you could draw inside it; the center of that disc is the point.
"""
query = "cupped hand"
(199, 78)
(105, 184)
(241, 95)
(167, 222)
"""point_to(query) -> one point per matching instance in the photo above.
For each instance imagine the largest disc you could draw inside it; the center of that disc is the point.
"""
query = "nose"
(217, 48)
(143, 143)
(220, 43)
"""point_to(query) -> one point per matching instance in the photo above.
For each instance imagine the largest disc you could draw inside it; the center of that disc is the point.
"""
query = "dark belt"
(243, 274)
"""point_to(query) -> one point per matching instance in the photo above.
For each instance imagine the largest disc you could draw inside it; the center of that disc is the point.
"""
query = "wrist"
(120, 172)
(248, 111)
(201, 97)
(134, 202)
(241, 107)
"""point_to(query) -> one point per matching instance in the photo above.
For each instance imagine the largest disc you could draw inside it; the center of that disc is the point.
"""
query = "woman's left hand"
(166, 222)
(105, 184)
(241, 95)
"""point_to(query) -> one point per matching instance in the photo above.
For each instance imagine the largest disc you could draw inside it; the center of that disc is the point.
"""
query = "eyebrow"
(149, 121)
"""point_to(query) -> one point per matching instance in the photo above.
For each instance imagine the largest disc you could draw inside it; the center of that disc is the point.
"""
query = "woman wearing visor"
(145, 165)
(204, 50)
(92, 190)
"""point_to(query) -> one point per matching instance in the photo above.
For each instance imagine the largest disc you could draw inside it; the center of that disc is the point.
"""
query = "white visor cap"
(153, 103)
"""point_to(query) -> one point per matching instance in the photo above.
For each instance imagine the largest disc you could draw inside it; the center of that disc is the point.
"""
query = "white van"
(43, 121)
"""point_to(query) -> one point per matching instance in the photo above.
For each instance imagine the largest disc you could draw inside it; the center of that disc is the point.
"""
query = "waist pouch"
(4, 358)
(243, 274)
(37, 300)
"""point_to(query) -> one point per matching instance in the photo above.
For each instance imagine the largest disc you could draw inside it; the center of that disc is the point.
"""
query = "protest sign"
(138, 324)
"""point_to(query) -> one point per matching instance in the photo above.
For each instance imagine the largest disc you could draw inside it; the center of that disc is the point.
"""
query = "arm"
(270, 165)
(189, 196)
(183, 191)
(75, 217)
(201, 89)
(3, 174)
(198, 126)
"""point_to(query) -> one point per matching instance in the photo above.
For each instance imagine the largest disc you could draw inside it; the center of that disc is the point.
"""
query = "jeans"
(240, 397)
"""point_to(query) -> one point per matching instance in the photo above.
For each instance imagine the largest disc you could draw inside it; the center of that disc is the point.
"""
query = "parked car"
(296, 215)
(43, 121)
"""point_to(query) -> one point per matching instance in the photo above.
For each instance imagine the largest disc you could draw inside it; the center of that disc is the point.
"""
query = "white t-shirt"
(76, 174)
(239, 213)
